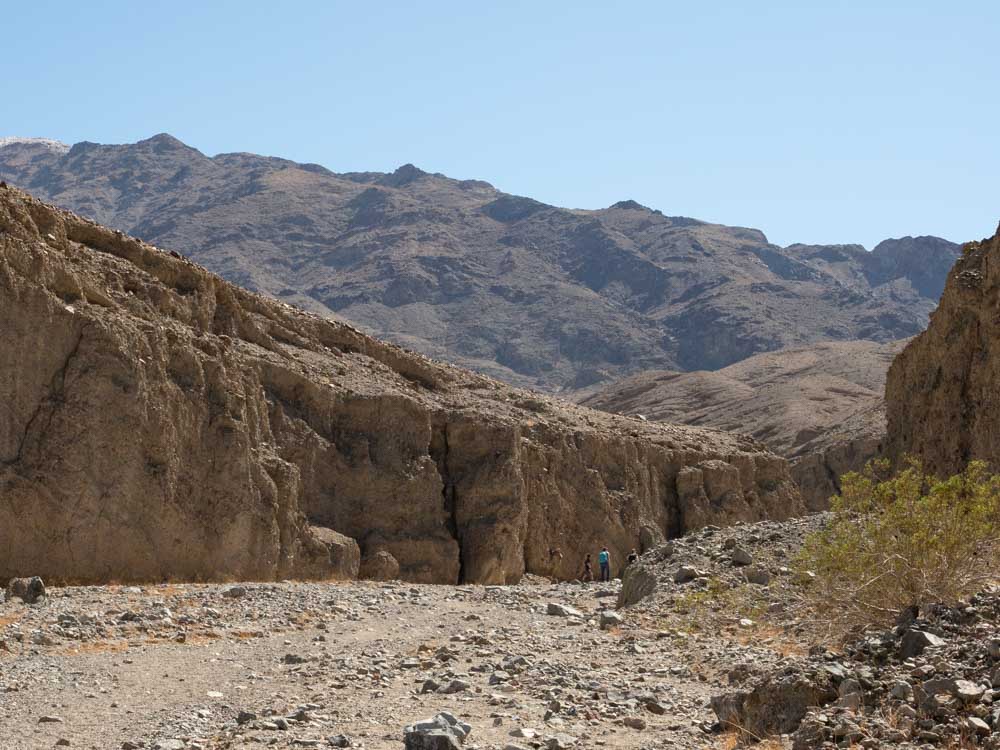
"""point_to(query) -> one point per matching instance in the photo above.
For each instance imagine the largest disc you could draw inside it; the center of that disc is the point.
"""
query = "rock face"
(158, 422)
(820, 406)
(941, 393)
(530, 293)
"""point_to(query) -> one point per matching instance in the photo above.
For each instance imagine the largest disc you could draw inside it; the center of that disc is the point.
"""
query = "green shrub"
(907, 540)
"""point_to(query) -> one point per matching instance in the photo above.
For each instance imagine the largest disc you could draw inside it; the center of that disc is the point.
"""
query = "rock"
(50, 720)
(562, 610)
(455, 686)
(343, 553)
(757, 575)
(443, 732)
(775, 705)
(379, 566)
(635, 722)
(655, 707)
(741, 557)
(850, 693)
(968, 692)
(28, 590)
(339, 740)
(170, 745)
(901, 690)
(684, 574)
(977, 725)
(611, 620)
(915, 641)
(435, 739)
(638, 582)
(235, 592)
(560, 741)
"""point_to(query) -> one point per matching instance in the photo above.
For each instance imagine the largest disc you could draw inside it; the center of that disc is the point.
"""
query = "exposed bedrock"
(942, 401)
(159, 423)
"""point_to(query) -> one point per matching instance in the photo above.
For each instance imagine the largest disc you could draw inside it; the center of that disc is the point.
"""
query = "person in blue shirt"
(604, 559)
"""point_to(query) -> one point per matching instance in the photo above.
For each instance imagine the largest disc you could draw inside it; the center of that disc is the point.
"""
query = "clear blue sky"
(846, 123)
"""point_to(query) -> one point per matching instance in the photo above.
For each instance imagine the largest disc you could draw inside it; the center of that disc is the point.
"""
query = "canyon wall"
(943, 404)
(157, 422)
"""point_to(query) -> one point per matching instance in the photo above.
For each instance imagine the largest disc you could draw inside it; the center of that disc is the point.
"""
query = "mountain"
(820, 406)
(941, 392)
(533, 294)
(159, 422)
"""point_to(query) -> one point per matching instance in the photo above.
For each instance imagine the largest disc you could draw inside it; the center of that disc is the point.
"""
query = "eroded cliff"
(158, 422)
(942, 401)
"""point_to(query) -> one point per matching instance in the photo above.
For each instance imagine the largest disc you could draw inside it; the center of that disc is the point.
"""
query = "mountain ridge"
(540, 296)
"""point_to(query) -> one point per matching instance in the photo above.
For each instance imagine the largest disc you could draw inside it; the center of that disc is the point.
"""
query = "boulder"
(343, 553)
(379, 566)
(685, 573)
(638, 582)
(611, 620)
(443, 732)
(914, 642)
(776, 704)
(562, 610)
(28, 590)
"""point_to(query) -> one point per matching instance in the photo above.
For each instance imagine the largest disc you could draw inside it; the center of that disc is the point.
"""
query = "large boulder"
(28, 590)
(638, 582)
(343, 553)
(776, 704)
(379, 566)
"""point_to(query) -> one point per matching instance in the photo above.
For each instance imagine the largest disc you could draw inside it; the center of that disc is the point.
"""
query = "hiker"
(633, 556)
(604, 558)
(588, 570)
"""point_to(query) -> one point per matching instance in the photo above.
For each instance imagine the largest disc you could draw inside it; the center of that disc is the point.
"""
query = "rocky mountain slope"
(821, 406)
(530, 293)
(157, 422)
(941, 393)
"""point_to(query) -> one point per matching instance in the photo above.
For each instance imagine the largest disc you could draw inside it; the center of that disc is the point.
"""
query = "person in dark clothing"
(588, 570)
(604, 558)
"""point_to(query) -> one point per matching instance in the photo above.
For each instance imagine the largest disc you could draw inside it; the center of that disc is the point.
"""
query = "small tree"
(911, 539)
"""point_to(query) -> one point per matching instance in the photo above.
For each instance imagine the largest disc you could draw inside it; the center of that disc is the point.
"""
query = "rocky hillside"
(820, 406)
(941, 393)
(158, 422)
(530, 293)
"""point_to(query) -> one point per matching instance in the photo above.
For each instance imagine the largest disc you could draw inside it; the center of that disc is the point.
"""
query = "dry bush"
(902, 541)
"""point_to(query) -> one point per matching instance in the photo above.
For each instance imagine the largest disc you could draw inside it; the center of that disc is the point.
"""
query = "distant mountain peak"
(49, 143)
(404, 175)
(164, 143)
(630, 205)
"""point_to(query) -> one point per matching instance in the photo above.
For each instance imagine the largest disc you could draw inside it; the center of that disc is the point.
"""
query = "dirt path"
(346, 660)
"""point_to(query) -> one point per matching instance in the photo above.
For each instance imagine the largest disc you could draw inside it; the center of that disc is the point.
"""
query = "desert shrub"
(905, 540)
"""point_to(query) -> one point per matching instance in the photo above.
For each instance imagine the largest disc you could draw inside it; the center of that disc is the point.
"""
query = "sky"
(834, 122)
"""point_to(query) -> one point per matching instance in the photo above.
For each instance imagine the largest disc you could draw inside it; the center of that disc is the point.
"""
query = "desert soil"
(173, 666)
